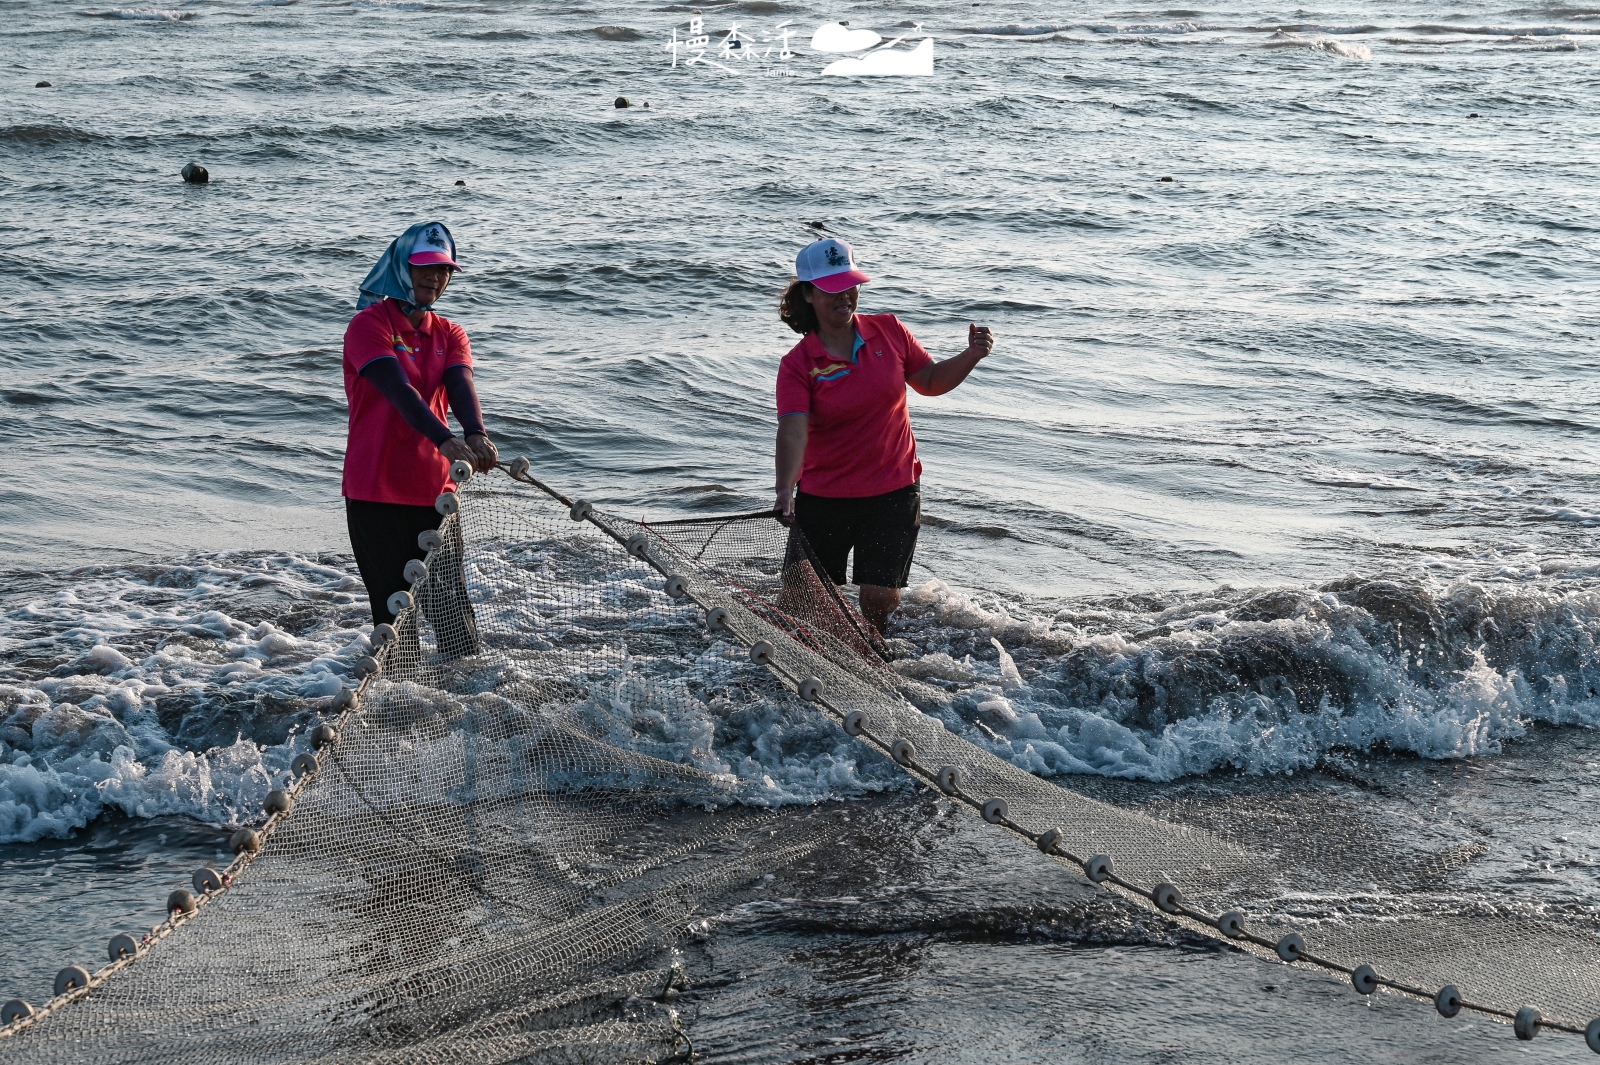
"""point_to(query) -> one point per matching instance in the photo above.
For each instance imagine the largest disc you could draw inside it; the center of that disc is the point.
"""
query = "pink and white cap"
(830, 265)
(434, 247)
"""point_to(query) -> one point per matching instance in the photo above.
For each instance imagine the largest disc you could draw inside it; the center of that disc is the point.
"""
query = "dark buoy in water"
(195, 174)
(647, 103)
(46, 85)
(817, 225)
(460, 182)
(1473, 115)
(622, 101)
(1163, 179)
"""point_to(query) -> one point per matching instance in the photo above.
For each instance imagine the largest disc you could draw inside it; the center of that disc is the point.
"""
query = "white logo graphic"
(887, 61)
(737, 53)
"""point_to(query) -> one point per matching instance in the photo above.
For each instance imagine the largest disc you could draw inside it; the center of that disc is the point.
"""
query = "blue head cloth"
(391, 277)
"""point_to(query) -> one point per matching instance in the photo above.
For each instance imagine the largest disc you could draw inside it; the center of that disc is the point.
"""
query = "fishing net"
(499, 851)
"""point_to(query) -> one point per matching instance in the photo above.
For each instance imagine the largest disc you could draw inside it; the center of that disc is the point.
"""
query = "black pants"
(384, 538)
(881, 530)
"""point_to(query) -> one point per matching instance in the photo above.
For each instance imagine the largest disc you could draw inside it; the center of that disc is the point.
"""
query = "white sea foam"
(146, 14)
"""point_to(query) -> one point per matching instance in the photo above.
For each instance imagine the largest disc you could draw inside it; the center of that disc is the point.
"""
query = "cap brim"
(840, 282)
(433, 258)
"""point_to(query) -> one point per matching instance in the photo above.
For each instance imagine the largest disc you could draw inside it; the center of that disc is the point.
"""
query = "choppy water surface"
(1284, 465)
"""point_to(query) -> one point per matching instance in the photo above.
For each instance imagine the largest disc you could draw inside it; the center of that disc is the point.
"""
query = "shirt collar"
(855, 351)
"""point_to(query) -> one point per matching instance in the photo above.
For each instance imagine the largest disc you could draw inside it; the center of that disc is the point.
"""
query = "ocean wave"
(1344, 49)
(146, 14)
(1504, 31)
(1144, 29)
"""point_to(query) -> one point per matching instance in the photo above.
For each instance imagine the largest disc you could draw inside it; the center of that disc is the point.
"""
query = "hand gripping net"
(468, 869)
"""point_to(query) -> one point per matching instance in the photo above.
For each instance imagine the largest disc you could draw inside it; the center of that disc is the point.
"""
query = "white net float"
(809, 689)
(304, 763)
(1048, 840)
(677, 587)
(903, 752)
(344, 700)
(948, 779)
(639, 545)
(382, 634)
(181, 901)
(716, 619)
(519, 466)
(761, 652)
(1098, 868)
(71, 978)
(447, 503)
(1364, 979)
(246, 839)
(206, 880)
(122, 945)
(416, 570)
(278, 802)
(461, 471)
(1167, 897)
(855, 722)
(1527, 1022)
(366, 665)
(1292, 948)
(429, 539)
(324, 735)
(15, 1010)
(995, 810)
(1231, 924)
(580, 510)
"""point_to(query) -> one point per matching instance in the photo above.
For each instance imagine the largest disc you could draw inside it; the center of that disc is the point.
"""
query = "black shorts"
(882, 530)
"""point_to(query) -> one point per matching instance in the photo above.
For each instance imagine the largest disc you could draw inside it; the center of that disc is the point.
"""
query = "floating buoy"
(324, 735)
(278, 802)
(1291, 947)
(15, 1010)
(41, 85)
(447, 503)
(366, 665)
(461, 471)
(195, 174)
(677, 587)
(1591, 1034)
(180, 901)
(122, 946)
(1527, 1023)
(1048, 840)
(1167, 897)
(622, 101)
(1231, 924)
(519, 466)
(716, 619)
(809, 689)
(72, 978)
(855, 722)
(948, 779)
(304, 764)
(639, 545)
(206, 880)
(1364, 979)
(580, 510)
(903, 752)
(344, 700)
(416, 570)
(460, 182)
(761, 652)
(246, 839)
(995, 810)
(429, 539)
(399, 602)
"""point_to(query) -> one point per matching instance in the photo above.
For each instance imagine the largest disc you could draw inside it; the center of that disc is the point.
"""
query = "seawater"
(1283, 465)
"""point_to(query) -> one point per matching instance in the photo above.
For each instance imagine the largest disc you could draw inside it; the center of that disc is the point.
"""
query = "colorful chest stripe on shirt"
(835, 370)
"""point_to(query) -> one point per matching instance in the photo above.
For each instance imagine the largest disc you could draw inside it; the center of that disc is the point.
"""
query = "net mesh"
(500, 854)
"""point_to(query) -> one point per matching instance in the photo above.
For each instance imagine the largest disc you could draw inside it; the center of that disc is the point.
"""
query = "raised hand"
(980, 338)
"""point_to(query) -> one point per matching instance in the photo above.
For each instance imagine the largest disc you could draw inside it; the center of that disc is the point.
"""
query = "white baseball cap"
(830, 265)
(434, 247)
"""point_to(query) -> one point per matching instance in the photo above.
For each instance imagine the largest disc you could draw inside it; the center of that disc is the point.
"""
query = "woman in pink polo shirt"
(404, 368)
(844, 431)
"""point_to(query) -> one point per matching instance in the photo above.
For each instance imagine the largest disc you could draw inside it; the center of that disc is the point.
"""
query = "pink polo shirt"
(385, 460)
(860, 441)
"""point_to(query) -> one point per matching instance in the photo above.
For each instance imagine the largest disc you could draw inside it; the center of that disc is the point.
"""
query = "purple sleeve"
(388, 378)
(463, 398)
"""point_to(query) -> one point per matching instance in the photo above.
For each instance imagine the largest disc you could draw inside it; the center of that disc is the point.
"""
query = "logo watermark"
(769, 52)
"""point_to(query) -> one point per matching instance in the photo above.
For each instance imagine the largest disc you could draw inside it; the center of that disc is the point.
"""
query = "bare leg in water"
(877, 603)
